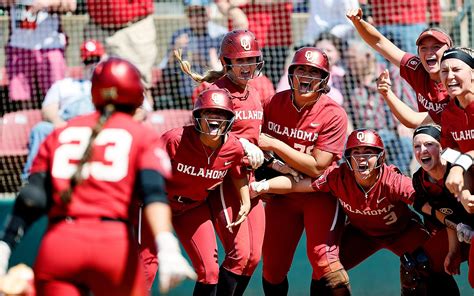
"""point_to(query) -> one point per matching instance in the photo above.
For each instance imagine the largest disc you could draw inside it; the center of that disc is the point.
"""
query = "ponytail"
(211, 76)
(76, 179)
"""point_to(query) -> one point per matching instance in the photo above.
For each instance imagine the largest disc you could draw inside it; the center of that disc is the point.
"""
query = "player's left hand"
(254, 154)
(258, 187)
(452, 262)
(243, 213)
(455, 181)
(173, 268)
(266, 142)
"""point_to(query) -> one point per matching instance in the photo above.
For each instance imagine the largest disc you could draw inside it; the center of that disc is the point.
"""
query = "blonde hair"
(210, 76)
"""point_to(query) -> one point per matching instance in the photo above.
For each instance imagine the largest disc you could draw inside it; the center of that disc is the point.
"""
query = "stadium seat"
(15, 129)
(14, 132)
(164, 120)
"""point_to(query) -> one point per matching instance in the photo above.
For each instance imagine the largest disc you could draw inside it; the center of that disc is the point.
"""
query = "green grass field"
(379, 275)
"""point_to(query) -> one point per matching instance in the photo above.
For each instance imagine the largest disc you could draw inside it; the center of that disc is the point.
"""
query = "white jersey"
(72, 95)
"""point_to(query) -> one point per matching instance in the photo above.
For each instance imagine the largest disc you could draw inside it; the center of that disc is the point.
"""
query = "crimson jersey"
(322, 125)
(458, 127)
(247, 107)
(121, 149)
(431, 96)
(196, 168)
(383, 210)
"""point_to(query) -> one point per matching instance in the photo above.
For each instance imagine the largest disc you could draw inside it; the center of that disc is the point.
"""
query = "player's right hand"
(5, 253)
(384, 85)
(464, 232)
(354, 14)
(173, 268)
(285, 169)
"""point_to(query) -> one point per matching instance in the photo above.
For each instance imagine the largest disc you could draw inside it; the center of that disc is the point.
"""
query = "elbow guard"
(30, 204)
(152, 186)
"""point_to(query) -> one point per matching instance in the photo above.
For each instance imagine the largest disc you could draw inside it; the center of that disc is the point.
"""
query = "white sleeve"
(54, 93)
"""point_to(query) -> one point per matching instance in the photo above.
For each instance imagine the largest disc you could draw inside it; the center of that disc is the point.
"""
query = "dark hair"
(339, 44)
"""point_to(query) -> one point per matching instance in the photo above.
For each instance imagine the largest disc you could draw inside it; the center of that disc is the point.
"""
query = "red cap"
(436, 34)
(91, 48)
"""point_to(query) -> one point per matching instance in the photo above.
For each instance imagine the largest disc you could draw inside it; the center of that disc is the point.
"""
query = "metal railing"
(463, 26)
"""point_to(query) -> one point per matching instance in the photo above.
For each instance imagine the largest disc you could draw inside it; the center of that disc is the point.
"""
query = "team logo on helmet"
(361, 137)
(245, 42)
(216, 98)
(109, 93)
(311, 56)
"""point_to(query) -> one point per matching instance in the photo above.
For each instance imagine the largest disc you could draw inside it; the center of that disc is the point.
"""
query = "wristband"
(464, 161)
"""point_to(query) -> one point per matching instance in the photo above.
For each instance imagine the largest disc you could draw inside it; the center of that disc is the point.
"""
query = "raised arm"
(374, 38)
(230, 9)
(406, 115)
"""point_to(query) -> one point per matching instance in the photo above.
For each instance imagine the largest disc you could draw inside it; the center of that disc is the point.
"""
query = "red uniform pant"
(196, 229)
(89, 255)
(357, 246)
(286, 218)
(242, 245)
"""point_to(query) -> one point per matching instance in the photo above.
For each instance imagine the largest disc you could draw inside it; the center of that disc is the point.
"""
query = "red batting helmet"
(365, 138)
(118, 82)
(313, 57)
(214, 99)
(310, 56)
(239, 44)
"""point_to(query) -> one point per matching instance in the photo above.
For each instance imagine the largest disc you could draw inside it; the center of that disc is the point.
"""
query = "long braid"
(76, 179)
(210, 76)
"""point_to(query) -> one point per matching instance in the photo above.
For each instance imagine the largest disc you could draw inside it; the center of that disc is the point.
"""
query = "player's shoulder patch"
(413, 63)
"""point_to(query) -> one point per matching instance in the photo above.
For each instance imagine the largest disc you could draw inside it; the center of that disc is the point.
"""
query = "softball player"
(84, 177)
(442, 212)
(457, 65)
(241, 58)
(374, 196)
(201, 156)
(422, 72)
(306, 129)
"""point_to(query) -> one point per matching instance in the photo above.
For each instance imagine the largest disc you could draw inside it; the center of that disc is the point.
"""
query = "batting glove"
(259, 186)
(254, 154)
(465, 233)
(5, 253)
(172, 266)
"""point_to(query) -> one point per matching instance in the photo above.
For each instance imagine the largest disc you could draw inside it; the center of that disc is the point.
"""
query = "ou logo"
(216, 98)
(310, 56)
(361, 137)
(245, 42)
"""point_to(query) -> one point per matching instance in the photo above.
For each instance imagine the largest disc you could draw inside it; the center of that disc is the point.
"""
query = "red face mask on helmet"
(215, 101)
(365, 138)
(240, 44)
(313, 57)
(118, 82)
